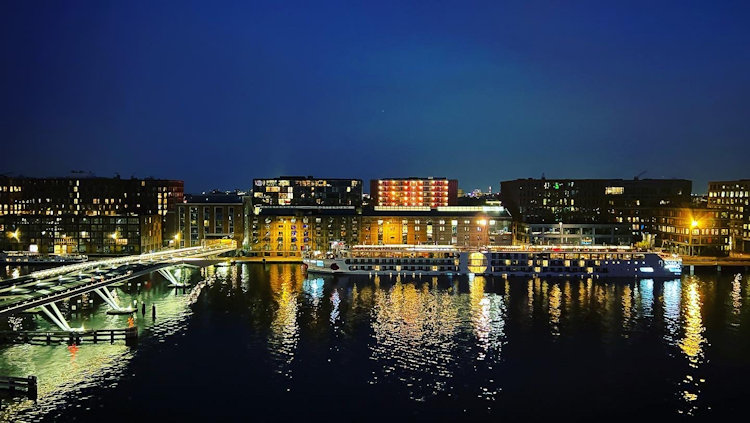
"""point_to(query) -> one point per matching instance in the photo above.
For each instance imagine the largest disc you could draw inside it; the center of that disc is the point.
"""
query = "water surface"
(269, 343)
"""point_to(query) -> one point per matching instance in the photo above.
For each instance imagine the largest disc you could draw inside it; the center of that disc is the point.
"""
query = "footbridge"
(42, 289)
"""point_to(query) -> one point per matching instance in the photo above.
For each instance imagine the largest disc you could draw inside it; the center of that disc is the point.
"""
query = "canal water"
(269, 343)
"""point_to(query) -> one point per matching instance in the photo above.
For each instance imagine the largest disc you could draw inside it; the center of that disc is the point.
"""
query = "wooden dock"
(129, 335)
(717, 262)
(26, 386)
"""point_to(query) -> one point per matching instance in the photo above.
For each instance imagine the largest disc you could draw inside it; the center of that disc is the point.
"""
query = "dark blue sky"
(218, 93)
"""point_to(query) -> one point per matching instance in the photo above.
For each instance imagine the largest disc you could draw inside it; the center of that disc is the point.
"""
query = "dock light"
(694, 224)
(15, 234)
(114, 235)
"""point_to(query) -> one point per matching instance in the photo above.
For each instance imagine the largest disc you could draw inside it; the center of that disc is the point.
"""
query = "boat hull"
(507, 263)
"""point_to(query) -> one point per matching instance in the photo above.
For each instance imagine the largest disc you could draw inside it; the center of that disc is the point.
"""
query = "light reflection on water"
(692, 346)
(414, 337)
(64, 372)
(476, 341)
(286, 284)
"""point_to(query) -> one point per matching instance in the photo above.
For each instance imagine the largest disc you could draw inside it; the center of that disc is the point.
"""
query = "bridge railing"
(41, 274)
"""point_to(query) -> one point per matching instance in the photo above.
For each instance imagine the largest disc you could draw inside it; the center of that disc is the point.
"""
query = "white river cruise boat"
(533, 261)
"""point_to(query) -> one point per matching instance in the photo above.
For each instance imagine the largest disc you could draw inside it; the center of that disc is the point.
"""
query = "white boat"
(533, 261)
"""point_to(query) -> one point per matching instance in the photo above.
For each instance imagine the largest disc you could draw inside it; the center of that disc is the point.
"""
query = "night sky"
(217, 94)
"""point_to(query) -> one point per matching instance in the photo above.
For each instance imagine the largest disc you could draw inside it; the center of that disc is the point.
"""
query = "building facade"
(85, 214)
(572, 234)
(294, 191)
(77, 234)
(88, 196)
(587, 201)
(209, 217)
(414, 192)
(290, 232)
(733, 196)
(591, 200)
(469, 227)
(694, 230)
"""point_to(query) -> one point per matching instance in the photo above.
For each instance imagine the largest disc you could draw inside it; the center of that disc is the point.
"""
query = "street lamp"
(693, 225)
(15, 235)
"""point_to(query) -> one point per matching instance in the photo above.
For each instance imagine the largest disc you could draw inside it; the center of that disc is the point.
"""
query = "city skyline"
(482, 95)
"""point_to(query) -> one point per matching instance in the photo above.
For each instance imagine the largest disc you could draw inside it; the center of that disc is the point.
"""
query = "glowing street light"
(693, 224)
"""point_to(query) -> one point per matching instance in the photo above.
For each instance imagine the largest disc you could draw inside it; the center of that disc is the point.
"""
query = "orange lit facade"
(287, 232)
(464, 229)
(414, 192)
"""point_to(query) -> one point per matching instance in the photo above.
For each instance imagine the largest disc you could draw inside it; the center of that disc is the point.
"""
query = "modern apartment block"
(414, 192)
(211, 216)
(80, 234)
(88, 196)
(67, 215)
(693, 230)
(733, 196)
(293, 191)
(617, 202)
(591, 200)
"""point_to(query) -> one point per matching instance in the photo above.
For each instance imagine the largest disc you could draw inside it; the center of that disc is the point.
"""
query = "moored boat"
(535, 261)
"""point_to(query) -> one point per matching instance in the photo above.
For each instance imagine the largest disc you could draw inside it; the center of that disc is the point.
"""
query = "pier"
(717, 262)
(129, 335)
(26, 386)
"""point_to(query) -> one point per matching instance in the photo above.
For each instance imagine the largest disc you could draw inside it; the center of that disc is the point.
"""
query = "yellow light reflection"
(627, 309)
(555, 300)
(692, 342)
(284, 335)
(410, 342)
(737, 295)
(691, 345)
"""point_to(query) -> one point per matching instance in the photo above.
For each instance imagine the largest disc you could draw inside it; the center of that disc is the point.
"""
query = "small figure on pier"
(153, 311)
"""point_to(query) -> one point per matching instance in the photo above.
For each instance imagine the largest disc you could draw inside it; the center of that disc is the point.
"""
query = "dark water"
(270, 344)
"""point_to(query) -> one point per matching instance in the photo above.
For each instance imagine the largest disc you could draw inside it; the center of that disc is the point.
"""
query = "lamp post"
(15, 235)
(693, 225)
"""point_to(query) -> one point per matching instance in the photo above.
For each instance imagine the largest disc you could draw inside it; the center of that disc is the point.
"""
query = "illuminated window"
(614, 190)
